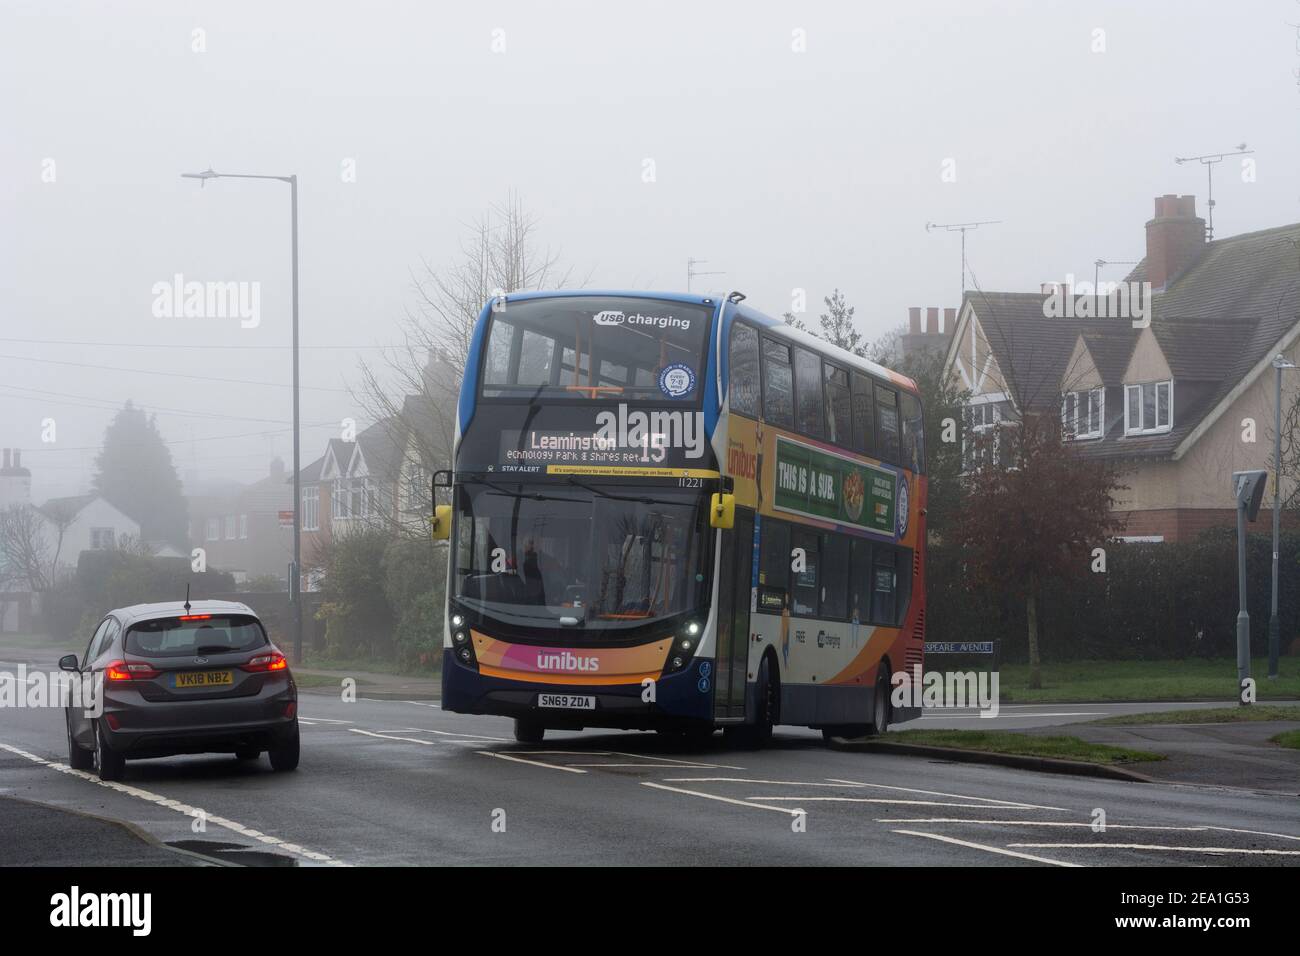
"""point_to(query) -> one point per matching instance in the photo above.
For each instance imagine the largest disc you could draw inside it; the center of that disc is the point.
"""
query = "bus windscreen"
(597, 347)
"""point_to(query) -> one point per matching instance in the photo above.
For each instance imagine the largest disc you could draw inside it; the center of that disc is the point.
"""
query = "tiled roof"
(1215, 322)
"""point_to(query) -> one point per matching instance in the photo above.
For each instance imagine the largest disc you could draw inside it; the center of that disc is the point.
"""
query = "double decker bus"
(673, 512)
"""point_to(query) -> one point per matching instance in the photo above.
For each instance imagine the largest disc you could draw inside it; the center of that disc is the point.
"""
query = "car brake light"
(275, 661)
(130, 670)
(195, 617)
(291, 708)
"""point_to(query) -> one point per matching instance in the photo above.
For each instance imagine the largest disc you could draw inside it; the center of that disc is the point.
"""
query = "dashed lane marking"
(1017, 804)
(183, 808)
(987, 849)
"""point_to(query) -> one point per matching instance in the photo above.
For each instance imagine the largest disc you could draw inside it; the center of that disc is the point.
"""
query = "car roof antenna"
(187, 597)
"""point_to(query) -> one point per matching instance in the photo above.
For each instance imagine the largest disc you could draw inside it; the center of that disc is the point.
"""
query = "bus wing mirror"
(441, 522)
(722, 512)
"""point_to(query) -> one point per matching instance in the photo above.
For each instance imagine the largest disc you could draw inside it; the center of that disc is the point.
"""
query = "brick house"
(1178, 400)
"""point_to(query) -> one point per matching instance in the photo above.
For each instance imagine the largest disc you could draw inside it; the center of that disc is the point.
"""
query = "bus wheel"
(528, 731)
(880, 707)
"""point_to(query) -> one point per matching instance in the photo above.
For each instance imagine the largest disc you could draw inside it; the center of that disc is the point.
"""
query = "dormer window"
(1148, 408)
(1082, 413)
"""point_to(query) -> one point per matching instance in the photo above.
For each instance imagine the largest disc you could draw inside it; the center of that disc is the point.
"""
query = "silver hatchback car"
(183, 679)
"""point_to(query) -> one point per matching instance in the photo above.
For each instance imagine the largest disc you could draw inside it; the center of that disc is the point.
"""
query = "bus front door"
(733, 616)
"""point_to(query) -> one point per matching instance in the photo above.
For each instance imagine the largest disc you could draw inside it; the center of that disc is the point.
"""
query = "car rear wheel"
(247, 753)
(79, 758)
(284, 756)
(529, 731)
(111, 764)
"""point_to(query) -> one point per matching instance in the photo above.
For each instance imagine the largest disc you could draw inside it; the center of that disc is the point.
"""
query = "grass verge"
(1208, 715)
(1288, 738)
(1023, 745)
(1193, 679)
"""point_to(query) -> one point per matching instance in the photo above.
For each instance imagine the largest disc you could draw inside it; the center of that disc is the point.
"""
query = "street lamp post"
(1281, 364)
(295, 574)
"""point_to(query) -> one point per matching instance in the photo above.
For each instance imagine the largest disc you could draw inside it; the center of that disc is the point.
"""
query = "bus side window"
(778, 384)
(913, 433)
(808, 392)
(744, 370)
(773, 565)
(804, 585)
(887, 424)
(860, 580)
(838, 411)
(864, 421)
(883, 585)
(835, 576)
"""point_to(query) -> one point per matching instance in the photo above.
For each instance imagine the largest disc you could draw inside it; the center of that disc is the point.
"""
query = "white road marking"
(1033, 823)
(714, 796)
(324, 720)
(410, 740)
(984, 847)
(531, 763)
(1078, 713)
(684, 763)
(183, 808)
(1156, 846)
(910, 803)
(960, 796)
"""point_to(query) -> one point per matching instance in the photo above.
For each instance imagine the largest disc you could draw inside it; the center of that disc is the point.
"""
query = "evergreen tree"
(134, 472)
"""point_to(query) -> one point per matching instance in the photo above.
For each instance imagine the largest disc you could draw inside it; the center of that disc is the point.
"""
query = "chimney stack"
(7, 461)
(1175, 237)
(18, 457)
(931, 321)
(949, 321)
(914, 320)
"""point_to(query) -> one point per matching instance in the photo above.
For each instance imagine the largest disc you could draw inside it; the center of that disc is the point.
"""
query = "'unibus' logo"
(568, 661)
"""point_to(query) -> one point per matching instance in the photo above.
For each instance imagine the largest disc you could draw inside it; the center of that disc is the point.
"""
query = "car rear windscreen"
(196, 635)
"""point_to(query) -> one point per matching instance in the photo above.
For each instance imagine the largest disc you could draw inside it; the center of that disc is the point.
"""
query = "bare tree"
(412, 391)
(25, 548)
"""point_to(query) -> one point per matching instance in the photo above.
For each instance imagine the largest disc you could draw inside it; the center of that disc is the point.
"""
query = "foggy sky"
(785, 170)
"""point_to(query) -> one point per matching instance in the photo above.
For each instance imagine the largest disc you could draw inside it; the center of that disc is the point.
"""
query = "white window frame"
(243, 527)
(990, 421)
(1072, 402)
(213, 531)
(102, 539)
(340, 503)
(1142, 427)
(230, 527)
(311, 508)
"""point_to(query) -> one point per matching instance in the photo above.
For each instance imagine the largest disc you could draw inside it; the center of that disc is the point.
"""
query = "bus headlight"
(457, 620)
(693, 628)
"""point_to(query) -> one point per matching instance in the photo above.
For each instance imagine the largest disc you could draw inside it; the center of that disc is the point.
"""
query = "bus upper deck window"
(778, 384)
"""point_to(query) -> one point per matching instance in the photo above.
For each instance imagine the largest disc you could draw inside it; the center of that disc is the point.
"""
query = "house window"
(101, 539)
(243, 526)
(1148, 408)
(1082, 413)
(230, 527)
(980, 420)
(361, 497)
(311, 508)
(339, 500)
(214, 529)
